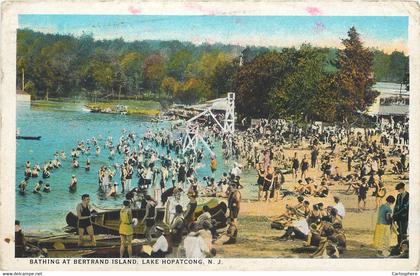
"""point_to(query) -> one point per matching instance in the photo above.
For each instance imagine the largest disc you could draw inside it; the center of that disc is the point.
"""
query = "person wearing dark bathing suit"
(84, 220)
(304, 166)
(73, 184)
(149, 217)
(268, 182)
(192, 205)
(260, 180)
(295, 166)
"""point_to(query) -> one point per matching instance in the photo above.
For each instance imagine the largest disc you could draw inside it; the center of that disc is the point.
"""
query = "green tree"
(154, 71)
(398, 64)
(382, 66)
(131, 71)
(170, 86)
(222, 79)
(355, 77)
(178, 64)
(254, 81)
(192, 91)
(300, 82)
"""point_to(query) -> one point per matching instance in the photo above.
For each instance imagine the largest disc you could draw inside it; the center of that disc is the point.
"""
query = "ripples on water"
(60, 130)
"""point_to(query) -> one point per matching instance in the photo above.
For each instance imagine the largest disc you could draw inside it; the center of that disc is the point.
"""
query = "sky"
(387, 33)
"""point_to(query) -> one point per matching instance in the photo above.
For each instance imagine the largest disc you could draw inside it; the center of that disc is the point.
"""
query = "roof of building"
(397, 110)
(216, 104)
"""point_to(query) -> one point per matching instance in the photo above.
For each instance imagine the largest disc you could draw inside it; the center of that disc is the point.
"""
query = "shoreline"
(135, 107)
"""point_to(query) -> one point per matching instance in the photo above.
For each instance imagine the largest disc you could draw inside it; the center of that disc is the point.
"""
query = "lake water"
(60, 129)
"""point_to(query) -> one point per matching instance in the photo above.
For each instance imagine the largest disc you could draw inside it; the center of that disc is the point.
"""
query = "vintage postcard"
(209, 135)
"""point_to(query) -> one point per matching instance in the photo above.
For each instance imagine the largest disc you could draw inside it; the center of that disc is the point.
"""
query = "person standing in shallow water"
(73, 184)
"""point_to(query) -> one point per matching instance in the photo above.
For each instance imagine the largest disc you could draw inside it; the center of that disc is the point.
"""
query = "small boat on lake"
(28, 137)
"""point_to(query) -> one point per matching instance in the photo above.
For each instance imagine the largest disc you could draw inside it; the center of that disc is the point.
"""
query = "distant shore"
(134, 107)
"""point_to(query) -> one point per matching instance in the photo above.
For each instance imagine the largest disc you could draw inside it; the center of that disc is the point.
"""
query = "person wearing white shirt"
(300, 229)
(160, 248)
(341, 210)
(194, 245)
(236, 171)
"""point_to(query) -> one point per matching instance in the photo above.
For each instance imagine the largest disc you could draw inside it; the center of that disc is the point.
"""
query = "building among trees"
(22, 96)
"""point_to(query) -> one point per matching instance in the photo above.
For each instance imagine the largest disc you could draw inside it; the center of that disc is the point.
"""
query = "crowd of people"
(155, 172)
(365, 157)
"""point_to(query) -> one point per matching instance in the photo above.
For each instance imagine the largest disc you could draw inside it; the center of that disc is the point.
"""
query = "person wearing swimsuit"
(260, 180)
(84, 222)
(268, 182)
(126, 229)
(149, 217)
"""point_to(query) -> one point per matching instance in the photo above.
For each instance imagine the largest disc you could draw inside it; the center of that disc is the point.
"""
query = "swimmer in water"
(45, 173)
(28, 172)
(87, 168)
(47, 188)
(22, 186)
(63, 155)
(75, 163)
(38, 187)
(55, 165)
(73, 184)
(113, 191)
(34, 172)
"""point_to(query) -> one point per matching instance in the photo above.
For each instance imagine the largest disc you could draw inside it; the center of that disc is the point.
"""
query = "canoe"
(28, 137)
(106, 246)
(69, 253)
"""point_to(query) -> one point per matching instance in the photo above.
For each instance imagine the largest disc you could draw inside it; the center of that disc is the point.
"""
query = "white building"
(392, 103)
(22, 96)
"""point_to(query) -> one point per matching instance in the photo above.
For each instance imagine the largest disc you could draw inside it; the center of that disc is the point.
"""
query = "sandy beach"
(257, 239)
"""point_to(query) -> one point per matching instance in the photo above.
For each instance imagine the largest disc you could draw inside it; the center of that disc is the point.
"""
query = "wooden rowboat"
(69, 253)
(106, 246)
(28, 137)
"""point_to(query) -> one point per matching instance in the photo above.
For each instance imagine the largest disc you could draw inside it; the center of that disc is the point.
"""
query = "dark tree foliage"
(355, 77)
(308, 83)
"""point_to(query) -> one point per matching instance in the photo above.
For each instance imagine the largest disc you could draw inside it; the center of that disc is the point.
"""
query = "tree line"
(308, 82)
(56, 65)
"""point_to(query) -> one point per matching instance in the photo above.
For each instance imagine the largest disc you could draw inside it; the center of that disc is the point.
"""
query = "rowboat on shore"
(69, 246)
(69, 253)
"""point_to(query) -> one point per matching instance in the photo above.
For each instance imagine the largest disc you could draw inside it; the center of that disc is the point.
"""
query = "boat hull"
(28, 137)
